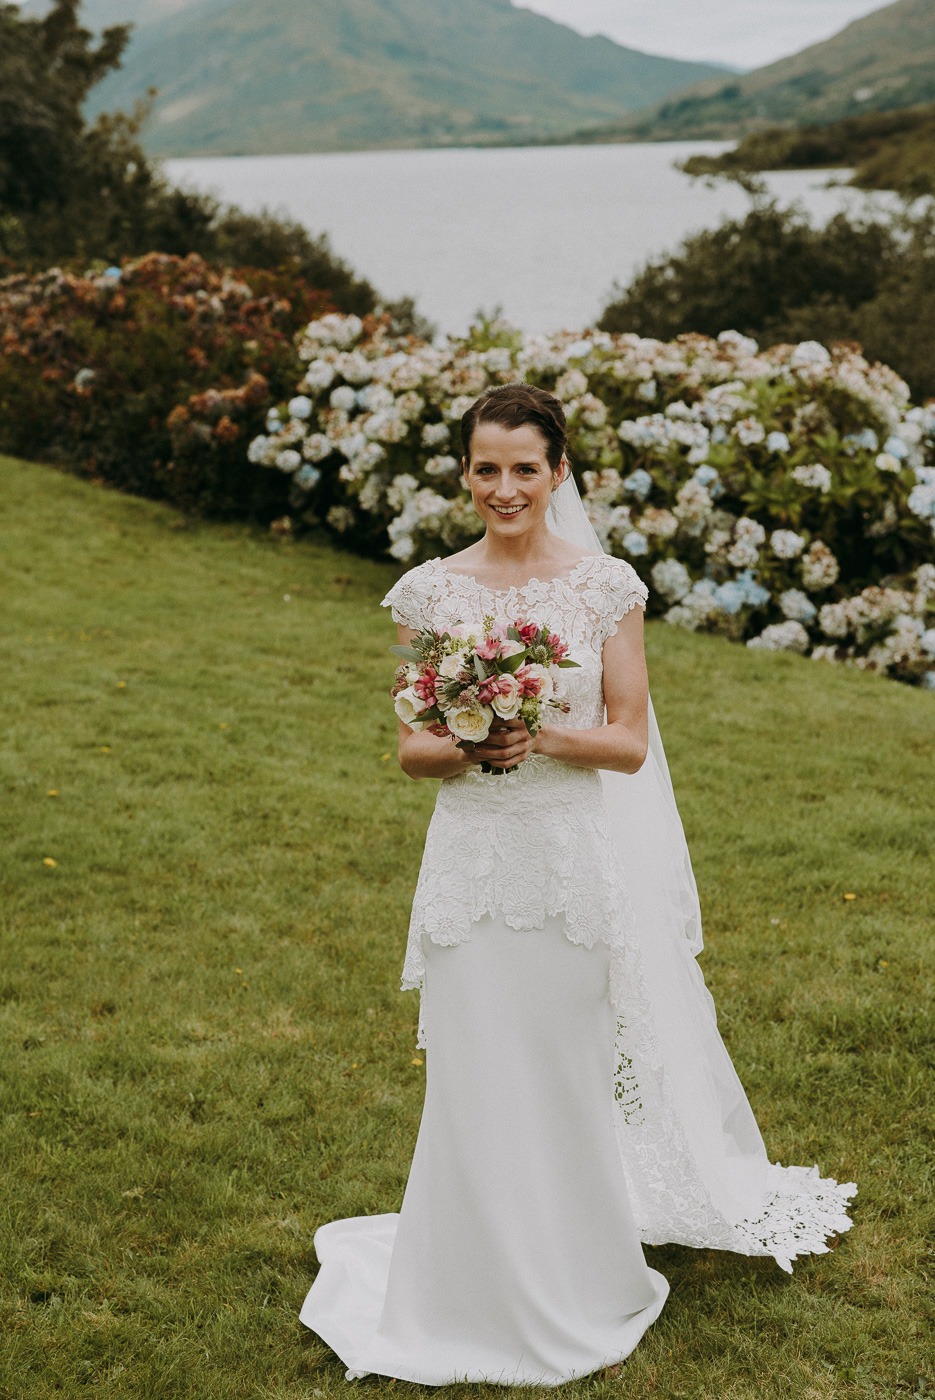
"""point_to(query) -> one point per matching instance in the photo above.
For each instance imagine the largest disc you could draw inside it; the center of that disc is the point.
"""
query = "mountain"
(882, 62)
(279, 76)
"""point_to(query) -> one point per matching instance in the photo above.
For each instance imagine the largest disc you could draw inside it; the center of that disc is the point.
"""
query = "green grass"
(204, 1052)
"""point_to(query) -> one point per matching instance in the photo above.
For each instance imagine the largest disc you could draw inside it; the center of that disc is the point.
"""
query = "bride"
(579, 1100)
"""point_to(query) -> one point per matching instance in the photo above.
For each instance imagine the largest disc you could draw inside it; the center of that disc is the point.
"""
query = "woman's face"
(509, 477)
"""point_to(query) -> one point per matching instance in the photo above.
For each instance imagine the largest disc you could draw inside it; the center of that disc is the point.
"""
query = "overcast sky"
(742, 32)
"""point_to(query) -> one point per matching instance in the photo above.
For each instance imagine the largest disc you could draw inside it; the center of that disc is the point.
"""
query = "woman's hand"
(508, 744)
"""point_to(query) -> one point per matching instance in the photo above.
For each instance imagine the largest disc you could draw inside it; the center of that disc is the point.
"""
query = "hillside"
(237, 77)
(882, 62)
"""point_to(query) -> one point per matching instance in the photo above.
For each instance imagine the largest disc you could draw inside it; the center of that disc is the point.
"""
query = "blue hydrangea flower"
(300, 406)
(638, 483)
(115, 273)
(307, 476)
(778, 442)
(897, 448)
(730, 597)
(866, 439)
(273, 420)
(635, 542)
(755, 595)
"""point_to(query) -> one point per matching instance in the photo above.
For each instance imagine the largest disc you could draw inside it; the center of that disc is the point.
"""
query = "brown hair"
(513, 406)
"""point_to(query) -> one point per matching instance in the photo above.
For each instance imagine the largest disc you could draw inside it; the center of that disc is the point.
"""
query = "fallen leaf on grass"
(47, 860)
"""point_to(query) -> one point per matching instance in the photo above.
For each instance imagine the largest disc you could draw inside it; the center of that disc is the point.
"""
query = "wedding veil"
(696, 1163)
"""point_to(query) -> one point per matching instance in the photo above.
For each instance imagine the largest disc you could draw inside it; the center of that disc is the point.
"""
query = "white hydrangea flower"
(442, 466)
(319, 376)
(647, 390)
(739, 345)
(811, 354)
(782, 636)
(786, 544)
(886, 462)
(317, 447)
(403, 548)
(374, 397)
(659, 522)
(436, 435)
(343, 397)
(833, 620)
(592, 411)
(401, 489)
(571, 385)
(693, 505)
(289, 460)
(354, 367)
(778, 442)
(824, 653)
(795, 604)
(922, 500)
(459, 407)
(749, 432)
(257, 450)
(816, 476)
(820, 568)
(300, 407)
(671, 578)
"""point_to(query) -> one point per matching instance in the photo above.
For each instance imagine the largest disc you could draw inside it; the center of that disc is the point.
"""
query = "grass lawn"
(208, 854)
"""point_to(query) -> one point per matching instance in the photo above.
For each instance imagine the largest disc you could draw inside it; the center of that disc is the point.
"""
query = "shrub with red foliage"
(153, 376)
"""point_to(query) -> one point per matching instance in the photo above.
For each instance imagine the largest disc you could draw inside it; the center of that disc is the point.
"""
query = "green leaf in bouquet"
(511, 663)
(406, 653)
(566, 663)
(513, 634)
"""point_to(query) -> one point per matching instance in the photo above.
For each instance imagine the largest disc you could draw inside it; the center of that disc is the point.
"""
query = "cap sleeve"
(407, 599)
(623, 590)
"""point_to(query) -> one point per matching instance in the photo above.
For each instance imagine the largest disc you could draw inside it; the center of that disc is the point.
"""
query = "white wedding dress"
(578, 1098)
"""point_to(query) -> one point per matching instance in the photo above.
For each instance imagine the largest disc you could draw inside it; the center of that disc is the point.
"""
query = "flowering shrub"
(112, 374)
(785, 498)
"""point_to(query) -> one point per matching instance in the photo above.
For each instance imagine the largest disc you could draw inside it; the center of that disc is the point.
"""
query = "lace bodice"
(582, 606)
(532, 842)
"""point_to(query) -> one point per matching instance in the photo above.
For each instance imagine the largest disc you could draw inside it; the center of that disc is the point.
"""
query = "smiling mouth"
(506, 511)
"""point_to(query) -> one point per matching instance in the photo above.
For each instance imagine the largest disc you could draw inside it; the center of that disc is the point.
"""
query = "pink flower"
(424, 687)
(496, 648)
(530, 684)
(528, 631)
(558, 648)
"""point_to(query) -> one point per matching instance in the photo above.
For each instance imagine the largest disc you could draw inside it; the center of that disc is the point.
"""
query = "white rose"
(557, 681)
(507, 705)
(454, 664)
(470, 722)
(408, 706)
(545, 676)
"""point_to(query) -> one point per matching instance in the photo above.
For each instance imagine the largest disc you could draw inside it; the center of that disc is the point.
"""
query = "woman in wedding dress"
(579, 1100)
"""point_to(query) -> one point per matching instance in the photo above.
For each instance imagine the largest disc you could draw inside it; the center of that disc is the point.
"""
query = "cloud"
(747, 33)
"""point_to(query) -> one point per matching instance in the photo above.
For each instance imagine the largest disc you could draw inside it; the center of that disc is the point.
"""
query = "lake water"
(542, 230)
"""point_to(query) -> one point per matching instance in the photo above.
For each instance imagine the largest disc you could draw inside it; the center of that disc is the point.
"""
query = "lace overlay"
(533, 843)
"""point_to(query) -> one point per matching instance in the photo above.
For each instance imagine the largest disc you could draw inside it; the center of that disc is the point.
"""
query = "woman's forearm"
(613, 746)
(424, 755)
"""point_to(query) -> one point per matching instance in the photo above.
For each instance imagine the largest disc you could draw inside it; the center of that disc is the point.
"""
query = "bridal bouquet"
(458, 683)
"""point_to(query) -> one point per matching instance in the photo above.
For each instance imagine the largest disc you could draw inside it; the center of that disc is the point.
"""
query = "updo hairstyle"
(513, 406)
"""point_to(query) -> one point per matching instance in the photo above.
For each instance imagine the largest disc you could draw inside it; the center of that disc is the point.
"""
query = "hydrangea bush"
(784, 497)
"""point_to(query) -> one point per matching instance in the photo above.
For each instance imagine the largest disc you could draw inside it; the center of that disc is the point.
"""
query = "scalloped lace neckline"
(519, 587)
